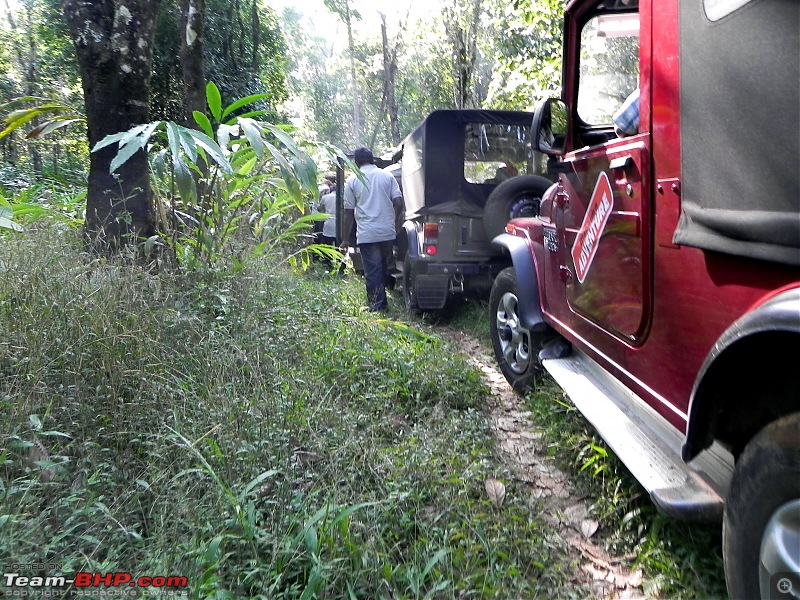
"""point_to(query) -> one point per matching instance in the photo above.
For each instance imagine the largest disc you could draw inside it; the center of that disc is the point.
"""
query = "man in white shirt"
(327, 229)
(372, 204)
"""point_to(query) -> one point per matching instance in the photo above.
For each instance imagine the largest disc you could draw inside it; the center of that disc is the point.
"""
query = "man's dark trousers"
(375, 257)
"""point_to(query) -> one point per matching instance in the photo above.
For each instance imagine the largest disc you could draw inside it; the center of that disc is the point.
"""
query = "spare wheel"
(514, 198)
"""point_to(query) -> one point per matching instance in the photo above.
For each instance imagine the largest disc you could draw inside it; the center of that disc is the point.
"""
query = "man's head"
(363, 156)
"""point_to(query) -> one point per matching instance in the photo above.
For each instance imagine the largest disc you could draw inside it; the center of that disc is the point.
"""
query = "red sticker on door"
(597, 213)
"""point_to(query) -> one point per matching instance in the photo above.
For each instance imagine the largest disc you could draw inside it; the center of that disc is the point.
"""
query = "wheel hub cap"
(779, 564)
(514, 338)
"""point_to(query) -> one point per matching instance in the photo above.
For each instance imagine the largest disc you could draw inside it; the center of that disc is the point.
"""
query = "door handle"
(621, 162)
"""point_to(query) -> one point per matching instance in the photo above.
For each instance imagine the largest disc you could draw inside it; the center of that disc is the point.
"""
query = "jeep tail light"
(430, 237)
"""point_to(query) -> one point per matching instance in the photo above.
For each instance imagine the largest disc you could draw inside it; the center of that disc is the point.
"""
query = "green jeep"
(465, 174)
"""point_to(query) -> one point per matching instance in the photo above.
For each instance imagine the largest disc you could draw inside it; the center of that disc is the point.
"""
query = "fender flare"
(528, 299)
(776, 314)
(409, 238)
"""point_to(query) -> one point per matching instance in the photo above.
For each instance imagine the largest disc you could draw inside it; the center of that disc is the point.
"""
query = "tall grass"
(261, 435)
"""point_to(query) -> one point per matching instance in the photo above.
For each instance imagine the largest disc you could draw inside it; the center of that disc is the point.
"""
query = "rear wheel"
(514, 198)
(761, 527)
(515, 347)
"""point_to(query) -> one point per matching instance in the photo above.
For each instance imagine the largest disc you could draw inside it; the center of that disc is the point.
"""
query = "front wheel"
(515, 347)
(761, 528)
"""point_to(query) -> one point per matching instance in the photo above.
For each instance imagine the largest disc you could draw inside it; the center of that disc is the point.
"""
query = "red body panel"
(649, 311)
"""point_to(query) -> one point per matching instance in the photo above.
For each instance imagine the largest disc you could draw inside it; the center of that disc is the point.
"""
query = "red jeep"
(660, 282)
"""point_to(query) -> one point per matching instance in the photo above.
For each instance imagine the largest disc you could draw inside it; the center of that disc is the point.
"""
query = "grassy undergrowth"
(679, 559)
(262, 436)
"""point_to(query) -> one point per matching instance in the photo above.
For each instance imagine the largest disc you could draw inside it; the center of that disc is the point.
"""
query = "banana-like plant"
(56, 115)
(233, 177)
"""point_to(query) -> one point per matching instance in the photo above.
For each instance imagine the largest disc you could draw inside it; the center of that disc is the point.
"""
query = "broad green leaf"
(214, 100)
(253, 134)
(6, 222)
(108, 140)
(173, 140)
(247, 167)
(135, 132)
(159, 164)
(187, 187)
(432, 562)
(187, 143)
(206, 143)
(284, 139)
(30, 209)
(17, 123)
(277, 155)
(305, 170)
(47, 128)
(202, 120)
(243, 102)
(212, 552)
(125, 152)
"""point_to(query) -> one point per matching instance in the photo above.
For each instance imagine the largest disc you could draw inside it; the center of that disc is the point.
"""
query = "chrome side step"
(648, 446)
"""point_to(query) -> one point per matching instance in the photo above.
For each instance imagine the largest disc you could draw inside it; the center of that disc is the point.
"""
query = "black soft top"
(435, 152)
(740, 128)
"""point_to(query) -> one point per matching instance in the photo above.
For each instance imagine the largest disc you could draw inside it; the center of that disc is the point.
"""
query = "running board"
(648, 445)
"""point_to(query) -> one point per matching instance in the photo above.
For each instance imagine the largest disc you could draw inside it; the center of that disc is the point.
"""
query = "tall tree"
(341, 8)
(461, 24)
(390, 76)
(193, 16)
(114, 46)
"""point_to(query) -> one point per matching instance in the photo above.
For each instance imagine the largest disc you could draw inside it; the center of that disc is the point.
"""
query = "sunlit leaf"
(243, 102)
(253, 134)
(202, 120)
(214, 100)
(49, 127)
(6, 221)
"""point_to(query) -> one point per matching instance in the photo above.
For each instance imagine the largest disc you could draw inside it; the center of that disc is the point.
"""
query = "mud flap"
(431, 291)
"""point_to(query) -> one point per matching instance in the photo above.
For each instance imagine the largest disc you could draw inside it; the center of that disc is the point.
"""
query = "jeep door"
(603, 207)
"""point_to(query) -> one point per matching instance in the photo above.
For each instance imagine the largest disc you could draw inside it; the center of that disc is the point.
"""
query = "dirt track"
(518, 441)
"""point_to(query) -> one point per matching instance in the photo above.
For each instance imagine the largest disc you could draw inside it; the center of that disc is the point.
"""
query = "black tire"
(515, 348)
(409, 296)
(765, 487)
(514, 198)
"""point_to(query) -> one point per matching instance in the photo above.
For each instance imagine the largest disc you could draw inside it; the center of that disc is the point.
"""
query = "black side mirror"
(550, 127)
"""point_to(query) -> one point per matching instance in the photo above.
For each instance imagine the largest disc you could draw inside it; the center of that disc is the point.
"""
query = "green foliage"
(59, 115)
(528, 55)
(260, 435)
(234, 179)
(242, 56)
(48, 200)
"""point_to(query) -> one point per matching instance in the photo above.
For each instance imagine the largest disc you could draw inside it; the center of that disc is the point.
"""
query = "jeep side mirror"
(550, 127)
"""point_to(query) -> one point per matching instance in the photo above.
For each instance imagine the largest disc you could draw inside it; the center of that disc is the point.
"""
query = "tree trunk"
(464, 40)
(114, 45)
(255, 26)
(390, 72)
(192, 26)
(356, 99)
